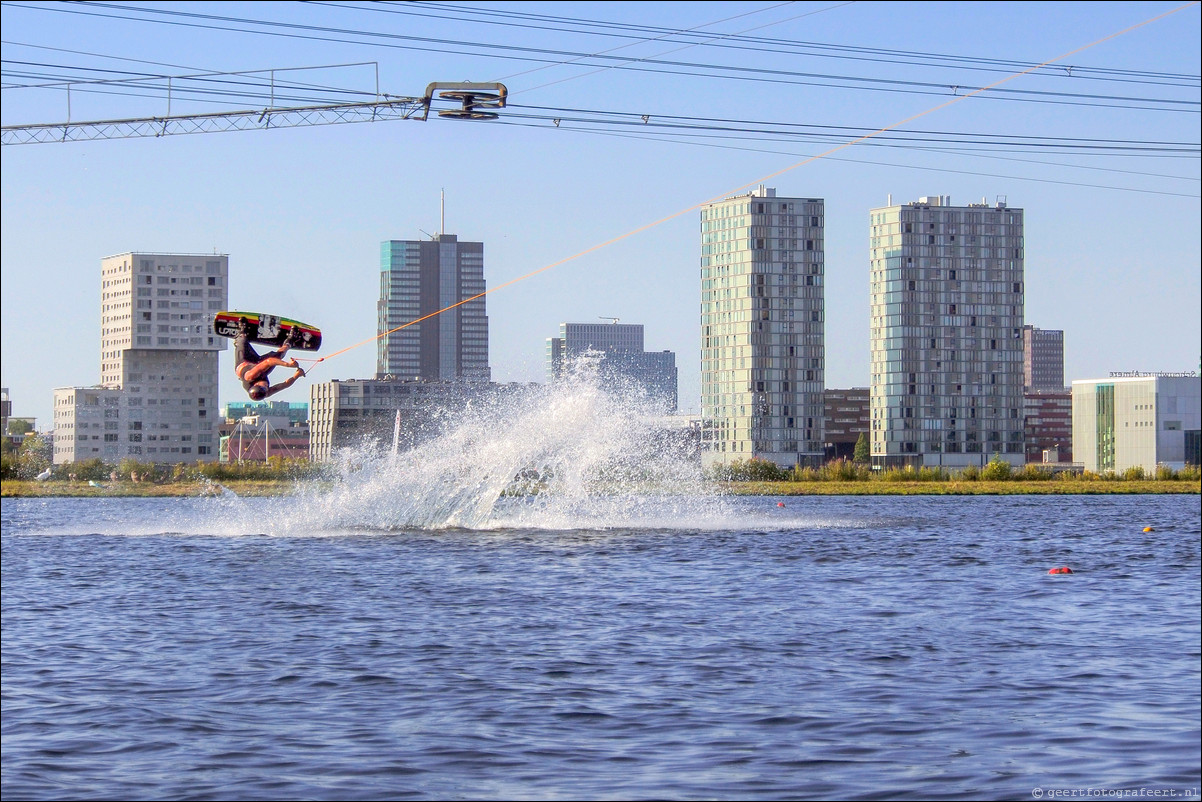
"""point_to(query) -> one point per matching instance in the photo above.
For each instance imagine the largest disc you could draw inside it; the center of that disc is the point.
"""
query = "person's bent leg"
(264, 366)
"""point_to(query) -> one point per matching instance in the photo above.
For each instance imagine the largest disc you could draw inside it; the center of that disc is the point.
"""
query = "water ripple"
(853, 649)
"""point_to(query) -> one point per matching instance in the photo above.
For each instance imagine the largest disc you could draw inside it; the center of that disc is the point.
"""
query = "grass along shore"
(183, 488)
(1050, 487)
(192, 488)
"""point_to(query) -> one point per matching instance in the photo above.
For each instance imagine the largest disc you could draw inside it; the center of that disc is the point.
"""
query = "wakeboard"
(267, 329)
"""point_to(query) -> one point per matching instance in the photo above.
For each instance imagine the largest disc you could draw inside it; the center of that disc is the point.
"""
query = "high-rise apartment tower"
(946, 333)
(762, 314)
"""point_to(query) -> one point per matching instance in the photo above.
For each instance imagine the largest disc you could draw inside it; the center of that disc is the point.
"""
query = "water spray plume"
(589, 451)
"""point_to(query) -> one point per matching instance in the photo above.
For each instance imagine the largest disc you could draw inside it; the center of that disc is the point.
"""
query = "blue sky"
(1101, 151)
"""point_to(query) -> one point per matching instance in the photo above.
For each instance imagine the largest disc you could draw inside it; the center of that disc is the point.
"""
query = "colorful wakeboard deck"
(267, 329)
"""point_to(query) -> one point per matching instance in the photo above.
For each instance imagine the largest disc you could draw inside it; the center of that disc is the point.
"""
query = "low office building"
(255, 431)
(296, 413)
(6, 410)
(848, 415)
(623, 361)
(1136, 422)
(94, 423)
(258, 438)
(1048, 420)
(374, 413)
(163, 419)
(20, 427)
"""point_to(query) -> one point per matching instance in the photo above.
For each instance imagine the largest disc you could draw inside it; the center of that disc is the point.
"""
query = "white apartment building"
(763, 356)
(946, 333)
(158, 364)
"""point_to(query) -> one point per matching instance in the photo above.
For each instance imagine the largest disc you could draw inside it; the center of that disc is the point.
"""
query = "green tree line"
(998, 470)
(28, 463)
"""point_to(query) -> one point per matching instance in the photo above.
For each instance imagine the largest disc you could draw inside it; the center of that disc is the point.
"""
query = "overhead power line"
(741, 72)
(593, 119)
(639, 32)
(281, 103)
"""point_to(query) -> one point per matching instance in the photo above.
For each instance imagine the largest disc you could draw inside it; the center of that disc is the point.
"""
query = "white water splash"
(582, 453)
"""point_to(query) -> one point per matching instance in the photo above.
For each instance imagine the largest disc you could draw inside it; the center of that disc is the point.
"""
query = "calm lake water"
(832, 648)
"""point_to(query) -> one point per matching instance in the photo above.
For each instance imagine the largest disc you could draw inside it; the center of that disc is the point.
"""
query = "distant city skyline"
(614, 133)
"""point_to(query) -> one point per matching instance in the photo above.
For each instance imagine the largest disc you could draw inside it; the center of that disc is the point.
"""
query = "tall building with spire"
(763, 354)
(946, 335)
(417, 279)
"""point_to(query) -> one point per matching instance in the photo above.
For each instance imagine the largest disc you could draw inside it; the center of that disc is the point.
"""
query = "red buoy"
(780, 503)
(1064, 569)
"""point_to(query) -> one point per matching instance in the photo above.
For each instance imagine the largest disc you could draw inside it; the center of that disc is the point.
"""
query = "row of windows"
(144, 265)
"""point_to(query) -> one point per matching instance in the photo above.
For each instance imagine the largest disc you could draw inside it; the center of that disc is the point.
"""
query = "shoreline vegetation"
(262, 488)
(754, 477)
